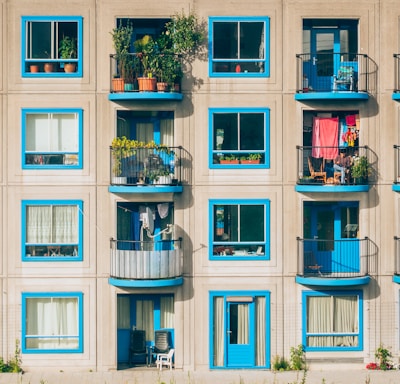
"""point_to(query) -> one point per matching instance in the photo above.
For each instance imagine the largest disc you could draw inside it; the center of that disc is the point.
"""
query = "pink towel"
(325, 137)
(351, 120)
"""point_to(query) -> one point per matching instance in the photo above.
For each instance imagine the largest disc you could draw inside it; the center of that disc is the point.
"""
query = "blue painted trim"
(28, 111)
(341, 95)
(145, 96)
(266, 61)
(396, 187)
(28, 295)
(267, 222)
(224, 294)
(333, 282)
(145, 189)
(331, 188)
(396, 96)
(360, 334)
(79, 257)
(396, 279)
(79, 60)
(266, 152)
(123, 283)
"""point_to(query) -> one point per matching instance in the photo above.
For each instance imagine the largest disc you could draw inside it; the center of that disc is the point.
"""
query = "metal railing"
(132, 69)
(144, 166)
(335, 72)
(396, 57)
(397, 255)
(145, 260)
(315, 165)
(396, 179)
(343, 258)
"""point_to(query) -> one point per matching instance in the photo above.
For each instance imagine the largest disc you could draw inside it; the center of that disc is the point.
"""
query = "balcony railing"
(396, 179)
(343, 258)
(335, 72)
(396, 57)
(126, 78)
(146, 166)
(315, 166)
(146, 260)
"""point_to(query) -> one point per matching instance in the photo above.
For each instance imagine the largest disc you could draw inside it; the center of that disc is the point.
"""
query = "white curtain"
(243, 324)
(52, 224)
(123, 312)
(167, 132)
(144, 132)
(332, 315)
(54, 322)
(52, 132)
(145, 317)
(260, 303)
(167, 312)
(218, 331)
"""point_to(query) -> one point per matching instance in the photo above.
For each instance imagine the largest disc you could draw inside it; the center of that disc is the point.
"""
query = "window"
(52, 231)
(239, 46)
(52, 322)
(239, 329)
(240, 137)
(239, 229)
(42, 41)
(51, 138)
(332, 320)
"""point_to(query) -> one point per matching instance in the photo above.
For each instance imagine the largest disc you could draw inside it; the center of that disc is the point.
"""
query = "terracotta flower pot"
(118, 85)
(69, 67)
(147, 84)
(48, 67)
(34, 68)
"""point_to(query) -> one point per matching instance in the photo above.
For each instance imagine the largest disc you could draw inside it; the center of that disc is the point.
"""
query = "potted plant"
(68, 50)
(252, 158)
(121, 37)
(361, 170)
(229, 159)
(147, 51)
(121, 148)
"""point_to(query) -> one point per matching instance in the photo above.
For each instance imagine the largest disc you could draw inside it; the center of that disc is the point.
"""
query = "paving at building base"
(135, 376)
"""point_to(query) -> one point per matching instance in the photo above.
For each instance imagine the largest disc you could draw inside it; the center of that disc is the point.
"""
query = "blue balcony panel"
(123, 283)
(333, 282)
(145, 189)
(339, 95)
(160, 96)
(331, 188)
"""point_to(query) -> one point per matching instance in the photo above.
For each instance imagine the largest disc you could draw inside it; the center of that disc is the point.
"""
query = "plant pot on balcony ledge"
(147, 84)
(118, 85)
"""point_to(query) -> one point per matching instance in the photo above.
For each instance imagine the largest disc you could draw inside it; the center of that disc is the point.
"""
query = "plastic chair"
(165, 359)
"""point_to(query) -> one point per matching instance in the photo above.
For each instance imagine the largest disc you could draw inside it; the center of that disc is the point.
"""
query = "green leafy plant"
(254, 156)
(384, 356)
(68, 48)
(229, 157)
(147, 51)
(13, 365)
(121, 36)
(361, 168)
(279, 363)
(297, 358)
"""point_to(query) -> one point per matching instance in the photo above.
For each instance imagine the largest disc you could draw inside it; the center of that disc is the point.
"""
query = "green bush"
(297, 358)
(13, 365)
(280, 364)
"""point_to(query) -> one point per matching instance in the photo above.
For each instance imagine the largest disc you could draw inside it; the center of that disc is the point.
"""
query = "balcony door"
(333, 230)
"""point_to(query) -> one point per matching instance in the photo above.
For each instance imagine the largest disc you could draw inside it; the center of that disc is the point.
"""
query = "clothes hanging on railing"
(325, 137)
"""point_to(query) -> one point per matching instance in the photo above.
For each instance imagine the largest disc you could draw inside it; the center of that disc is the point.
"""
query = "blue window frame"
(42, 38)
(52, 322)
(52, 230)
(239, 46)
(239, 137)
(239, 229)
(239, 329)
(333, 320)
(52, 138)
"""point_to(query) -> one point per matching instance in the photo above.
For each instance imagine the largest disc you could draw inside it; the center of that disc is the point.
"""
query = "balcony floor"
(332, 281)
(153, 283)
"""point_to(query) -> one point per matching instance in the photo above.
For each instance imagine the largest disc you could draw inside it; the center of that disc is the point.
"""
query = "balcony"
(316, 172)
(146, 170)
(334, 76)
(396, 277)
(129, 87)
(146, 263)
(342, 262)
(396, 90)
(396, 180)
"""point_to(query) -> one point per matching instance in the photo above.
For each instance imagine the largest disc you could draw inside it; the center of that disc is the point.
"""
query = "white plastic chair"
(165, 359)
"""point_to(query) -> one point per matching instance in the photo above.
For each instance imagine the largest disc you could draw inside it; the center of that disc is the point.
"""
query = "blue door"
(334, 233)
(325, 49)
(240, 335)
